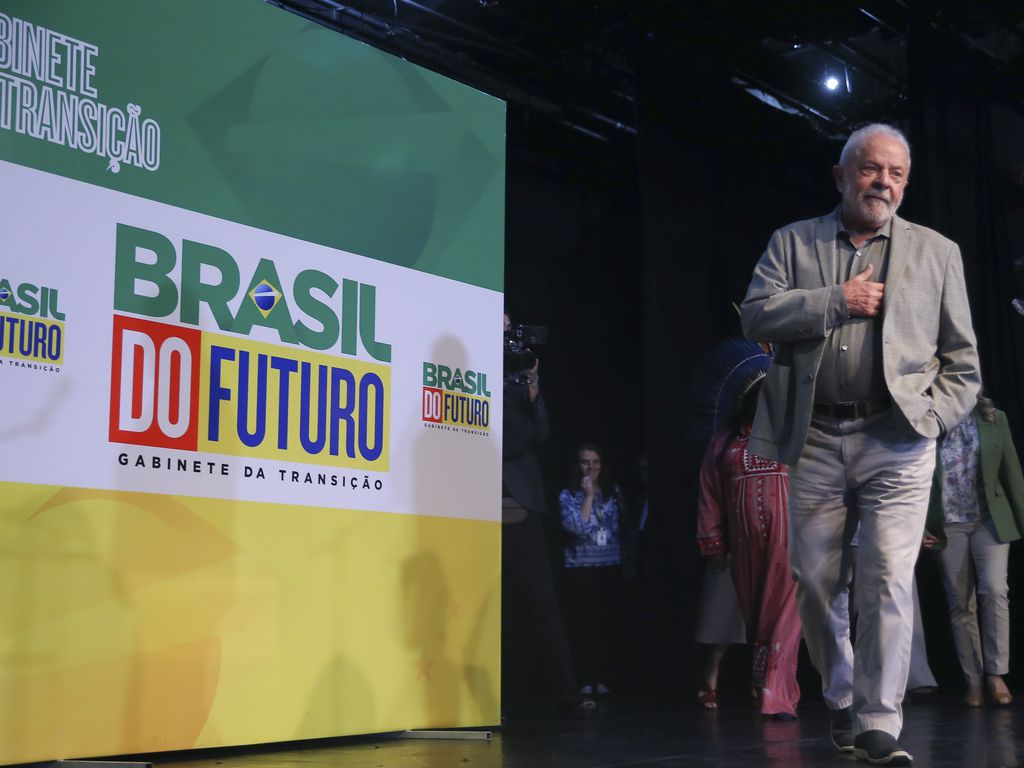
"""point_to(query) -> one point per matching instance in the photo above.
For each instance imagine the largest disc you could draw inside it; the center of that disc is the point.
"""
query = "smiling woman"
(591, 517)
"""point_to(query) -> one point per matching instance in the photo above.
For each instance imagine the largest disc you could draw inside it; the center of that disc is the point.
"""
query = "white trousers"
(920, 674)
(876, 472)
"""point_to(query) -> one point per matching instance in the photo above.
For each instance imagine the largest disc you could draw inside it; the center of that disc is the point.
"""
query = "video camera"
(520, 357)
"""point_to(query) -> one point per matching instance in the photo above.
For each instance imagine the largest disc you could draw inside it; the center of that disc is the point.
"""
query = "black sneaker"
(880, 748)
(573, 705)
(841, 729)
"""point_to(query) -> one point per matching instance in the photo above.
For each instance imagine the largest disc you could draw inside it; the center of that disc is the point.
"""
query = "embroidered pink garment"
(744, 509)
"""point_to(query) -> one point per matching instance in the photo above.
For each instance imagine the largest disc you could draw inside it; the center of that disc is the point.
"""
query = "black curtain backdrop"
(633, 252)
(718, 173)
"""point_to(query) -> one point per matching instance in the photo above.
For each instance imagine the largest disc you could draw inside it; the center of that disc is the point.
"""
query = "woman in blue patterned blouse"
(591, 511)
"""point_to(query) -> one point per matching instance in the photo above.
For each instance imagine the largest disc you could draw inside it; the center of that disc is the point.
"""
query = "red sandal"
(708, 699)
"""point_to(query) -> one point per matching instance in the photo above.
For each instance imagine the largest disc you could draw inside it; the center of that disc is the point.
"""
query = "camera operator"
(535, 648)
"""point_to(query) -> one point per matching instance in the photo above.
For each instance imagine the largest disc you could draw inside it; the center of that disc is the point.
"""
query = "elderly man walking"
(875, 359)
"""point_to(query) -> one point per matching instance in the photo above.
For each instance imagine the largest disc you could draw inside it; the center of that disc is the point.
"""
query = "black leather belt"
(852, 410)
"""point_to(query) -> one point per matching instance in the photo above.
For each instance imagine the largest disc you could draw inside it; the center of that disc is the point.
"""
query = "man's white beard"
(877, 213)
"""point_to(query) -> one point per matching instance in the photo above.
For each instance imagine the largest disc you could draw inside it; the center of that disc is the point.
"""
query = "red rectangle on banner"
(154, 384)
(433, 401)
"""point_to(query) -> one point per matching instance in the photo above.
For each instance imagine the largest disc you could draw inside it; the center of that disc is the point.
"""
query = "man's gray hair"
(861, 135)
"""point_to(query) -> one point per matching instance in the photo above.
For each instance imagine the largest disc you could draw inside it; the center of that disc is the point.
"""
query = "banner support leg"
(98, 764)
(464, 735)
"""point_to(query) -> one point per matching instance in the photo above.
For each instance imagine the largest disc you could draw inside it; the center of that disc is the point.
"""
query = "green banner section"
(240, 110)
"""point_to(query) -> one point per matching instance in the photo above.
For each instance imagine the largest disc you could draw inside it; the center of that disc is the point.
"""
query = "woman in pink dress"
(743, 510)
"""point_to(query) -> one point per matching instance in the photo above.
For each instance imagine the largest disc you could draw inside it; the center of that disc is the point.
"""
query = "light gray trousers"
(920, 674)
(973, 566)
(875, 471)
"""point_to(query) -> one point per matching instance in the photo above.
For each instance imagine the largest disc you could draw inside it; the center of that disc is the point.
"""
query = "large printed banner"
(250, 371)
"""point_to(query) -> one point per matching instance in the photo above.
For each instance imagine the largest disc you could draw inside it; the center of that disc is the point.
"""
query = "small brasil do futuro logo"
(456, 397)
(32, 325)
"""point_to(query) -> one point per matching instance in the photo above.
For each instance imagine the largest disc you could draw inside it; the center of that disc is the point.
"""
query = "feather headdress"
(725, 374)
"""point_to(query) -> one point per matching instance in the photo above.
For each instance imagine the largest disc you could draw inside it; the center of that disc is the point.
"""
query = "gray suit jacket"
(929, 357)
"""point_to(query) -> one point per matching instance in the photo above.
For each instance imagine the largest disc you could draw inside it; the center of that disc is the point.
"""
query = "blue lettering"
(339, 412)
(285, 368)
(255, 437)
(217, 393)
(371, 380)
(308, 444)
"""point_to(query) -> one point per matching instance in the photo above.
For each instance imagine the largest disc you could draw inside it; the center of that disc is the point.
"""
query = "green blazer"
(1001, 477)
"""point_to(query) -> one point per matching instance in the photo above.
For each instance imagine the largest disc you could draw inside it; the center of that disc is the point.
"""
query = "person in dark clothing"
(533, 632)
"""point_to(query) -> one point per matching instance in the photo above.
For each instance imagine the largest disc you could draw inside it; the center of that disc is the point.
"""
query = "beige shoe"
(1000, 693)
(974, 698)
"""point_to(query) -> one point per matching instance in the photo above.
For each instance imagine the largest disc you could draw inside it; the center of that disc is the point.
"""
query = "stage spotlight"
(831, 82)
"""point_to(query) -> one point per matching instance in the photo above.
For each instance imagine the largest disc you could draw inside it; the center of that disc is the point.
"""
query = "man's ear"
(837, 174)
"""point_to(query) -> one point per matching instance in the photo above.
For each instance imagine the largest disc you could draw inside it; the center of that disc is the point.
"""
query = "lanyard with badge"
(602, 532)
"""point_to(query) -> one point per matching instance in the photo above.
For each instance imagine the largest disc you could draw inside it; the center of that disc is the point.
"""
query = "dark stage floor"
(938, 732)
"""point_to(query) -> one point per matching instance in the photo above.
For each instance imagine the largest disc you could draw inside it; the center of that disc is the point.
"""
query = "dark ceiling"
(581, 63)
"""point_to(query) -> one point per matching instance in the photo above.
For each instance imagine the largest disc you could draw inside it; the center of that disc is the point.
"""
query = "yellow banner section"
(31, 338)
(290, 404)
(134, 622)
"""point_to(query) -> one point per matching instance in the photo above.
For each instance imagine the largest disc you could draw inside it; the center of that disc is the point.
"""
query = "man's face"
(872, 183)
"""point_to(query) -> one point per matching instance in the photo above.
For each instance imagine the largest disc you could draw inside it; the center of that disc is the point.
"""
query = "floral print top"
(963, 497)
